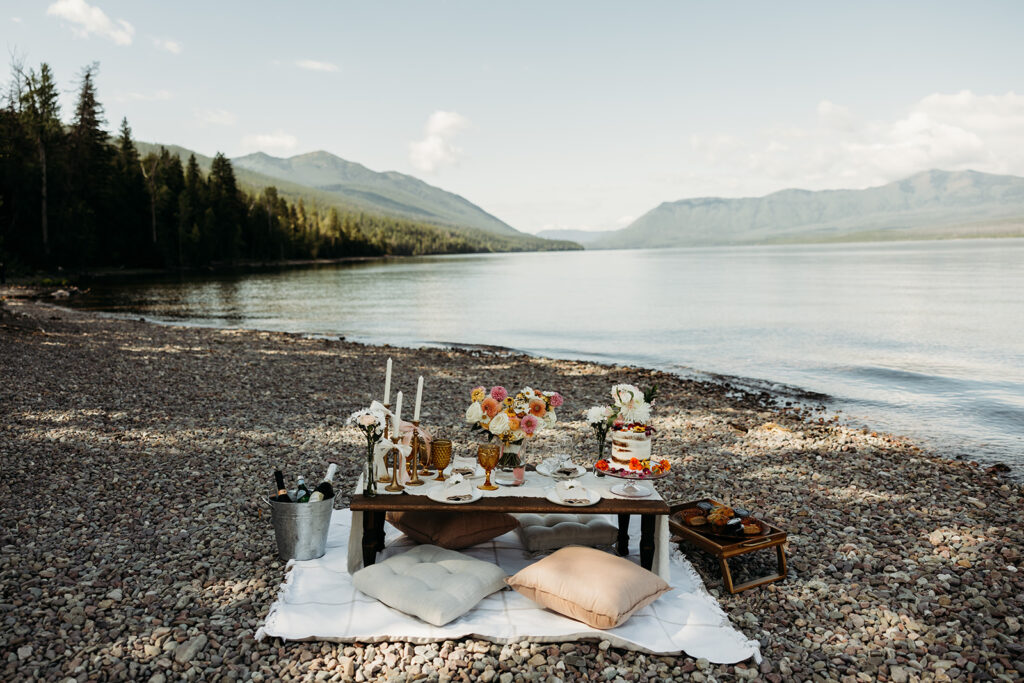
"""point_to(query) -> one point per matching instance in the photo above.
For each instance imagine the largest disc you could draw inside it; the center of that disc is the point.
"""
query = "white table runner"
(535, 486)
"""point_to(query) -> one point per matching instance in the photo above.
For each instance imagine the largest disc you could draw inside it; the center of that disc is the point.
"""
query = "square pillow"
(549, 532)
(430, 583)
(452, 530)
(589, 585)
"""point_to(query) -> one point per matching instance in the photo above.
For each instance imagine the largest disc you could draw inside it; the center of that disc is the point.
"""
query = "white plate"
(438, 494)
(593, 496)
(545, 469)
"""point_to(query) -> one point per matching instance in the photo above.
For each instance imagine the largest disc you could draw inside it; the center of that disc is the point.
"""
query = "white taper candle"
(419, 399)
(398, 418)
(387, 383)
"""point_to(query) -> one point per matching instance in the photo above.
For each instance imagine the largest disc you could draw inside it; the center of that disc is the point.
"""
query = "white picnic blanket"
(318, 602)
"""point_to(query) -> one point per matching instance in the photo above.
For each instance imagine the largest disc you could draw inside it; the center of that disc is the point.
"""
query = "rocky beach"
(135, 547)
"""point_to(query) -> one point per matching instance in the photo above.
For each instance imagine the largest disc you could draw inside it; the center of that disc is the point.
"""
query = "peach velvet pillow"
(589, 585)
(452, 530)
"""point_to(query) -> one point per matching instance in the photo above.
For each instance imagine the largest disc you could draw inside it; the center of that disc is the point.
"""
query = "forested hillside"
(72, 195)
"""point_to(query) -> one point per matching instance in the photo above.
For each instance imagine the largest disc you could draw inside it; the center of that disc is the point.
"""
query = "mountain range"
(929, 205)
(329, 181)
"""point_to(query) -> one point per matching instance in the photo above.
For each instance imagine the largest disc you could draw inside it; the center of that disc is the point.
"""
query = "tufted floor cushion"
(552, 531)
(434, 584)
(452, 530)
(589, 585)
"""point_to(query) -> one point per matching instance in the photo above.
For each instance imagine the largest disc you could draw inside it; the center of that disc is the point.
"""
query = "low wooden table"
(375, 508)
(723, 549)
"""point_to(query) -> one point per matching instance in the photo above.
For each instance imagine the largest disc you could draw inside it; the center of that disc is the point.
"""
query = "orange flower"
(537, 407)
(665, 465)
(490, 407)
(513, 421)
(635, 464)
(601, 465)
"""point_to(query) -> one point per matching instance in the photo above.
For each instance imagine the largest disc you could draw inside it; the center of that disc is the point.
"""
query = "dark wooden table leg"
(623, 547)
(379, 529)
(369, 537)
(726, 574)
(646, 541)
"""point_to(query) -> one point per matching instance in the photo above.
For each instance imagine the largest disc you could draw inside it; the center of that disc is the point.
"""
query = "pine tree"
(90, 171)
(41, 116)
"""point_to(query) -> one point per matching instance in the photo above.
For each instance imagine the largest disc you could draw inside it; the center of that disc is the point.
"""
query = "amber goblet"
(440, 456)
(488, 454)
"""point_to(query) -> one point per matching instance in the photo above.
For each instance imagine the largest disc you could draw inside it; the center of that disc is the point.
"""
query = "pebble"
(903, 564)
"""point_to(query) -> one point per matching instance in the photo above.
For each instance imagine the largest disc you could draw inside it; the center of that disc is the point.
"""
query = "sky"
(572, 114)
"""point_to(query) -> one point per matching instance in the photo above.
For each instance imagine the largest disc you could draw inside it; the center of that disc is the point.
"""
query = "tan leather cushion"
(589, 585)
(452, 530)
(548, 532)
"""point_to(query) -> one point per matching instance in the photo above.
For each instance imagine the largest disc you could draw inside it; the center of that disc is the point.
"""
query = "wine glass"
(488, 454)
(441, 455)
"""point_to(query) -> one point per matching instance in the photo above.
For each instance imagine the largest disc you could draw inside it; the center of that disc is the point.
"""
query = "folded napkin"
(457, 488)
(571, 491)
(466, 464)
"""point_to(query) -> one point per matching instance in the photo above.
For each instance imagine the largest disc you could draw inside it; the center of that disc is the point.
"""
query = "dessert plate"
(440, 495)
(587, 497)
(545, 469)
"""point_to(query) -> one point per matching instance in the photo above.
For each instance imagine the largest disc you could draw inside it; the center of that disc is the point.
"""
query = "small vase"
(511, 470)
(370, 478)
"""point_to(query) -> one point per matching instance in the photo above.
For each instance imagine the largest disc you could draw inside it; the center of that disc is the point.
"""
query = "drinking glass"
(440, 455)
(488, 454)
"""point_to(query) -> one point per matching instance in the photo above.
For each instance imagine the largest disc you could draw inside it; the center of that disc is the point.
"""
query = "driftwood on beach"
(133, 545)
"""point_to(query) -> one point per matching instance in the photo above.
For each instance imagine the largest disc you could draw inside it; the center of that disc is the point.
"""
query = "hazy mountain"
(932, 204)
(389, 192)
(583, 237)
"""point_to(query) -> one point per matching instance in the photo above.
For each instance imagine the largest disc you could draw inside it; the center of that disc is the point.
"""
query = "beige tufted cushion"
(589, 585)
(548, 532)
(434, 584)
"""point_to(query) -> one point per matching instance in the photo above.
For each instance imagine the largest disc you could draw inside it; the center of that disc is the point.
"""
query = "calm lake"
(921, 338)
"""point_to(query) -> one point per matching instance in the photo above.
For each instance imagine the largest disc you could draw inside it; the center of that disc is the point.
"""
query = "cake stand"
(631, 489)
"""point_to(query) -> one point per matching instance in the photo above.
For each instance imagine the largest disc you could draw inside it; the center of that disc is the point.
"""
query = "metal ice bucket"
(301, 528)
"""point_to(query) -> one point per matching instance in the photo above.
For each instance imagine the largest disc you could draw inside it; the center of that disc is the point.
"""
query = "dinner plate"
(593, 497)
(545, 469)
(438, 494)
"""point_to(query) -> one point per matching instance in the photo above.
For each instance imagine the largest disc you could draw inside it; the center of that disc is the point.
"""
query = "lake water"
(921, 338)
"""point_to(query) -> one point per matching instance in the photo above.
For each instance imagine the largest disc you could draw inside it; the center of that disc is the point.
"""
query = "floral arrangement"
(643, 468)
(370, 422)
(512, 418)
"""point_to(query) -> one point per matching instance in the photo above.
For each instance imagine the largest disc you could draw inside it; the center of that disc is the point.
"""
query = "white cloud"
(952, 132)
(158, 96)
(89, 19)
(279, 141)
(314, 65)
(172, 46)
(437, 149)
(216, 117)
(16, 20)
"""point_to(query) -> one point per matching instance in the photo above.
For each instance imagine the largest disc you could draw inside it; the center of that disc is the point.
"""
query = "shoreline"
(153, 558)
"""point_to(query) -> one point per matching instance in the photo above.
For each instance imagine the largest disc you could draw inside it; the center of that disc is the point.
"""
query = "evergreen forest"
(72, 195)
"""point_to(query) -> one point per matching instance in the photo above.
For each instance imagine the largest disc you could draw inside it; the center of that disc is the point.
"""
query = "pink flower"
(556, 399)
(529, 424)
(499, 394)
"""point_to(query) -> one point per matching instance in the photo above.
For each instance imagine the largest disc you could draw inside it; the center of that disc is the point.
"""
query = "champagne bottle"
(301, 491)
(324, 489)
(282, 492)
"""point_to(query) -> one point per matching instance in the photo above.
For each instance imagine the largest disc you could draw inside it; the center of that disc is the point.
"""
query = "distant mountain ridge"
(387, 192)
(930, 204)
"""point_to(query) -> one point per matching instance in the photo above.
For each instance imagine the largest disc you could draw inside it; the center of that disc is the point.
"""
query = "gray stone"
(186, 652)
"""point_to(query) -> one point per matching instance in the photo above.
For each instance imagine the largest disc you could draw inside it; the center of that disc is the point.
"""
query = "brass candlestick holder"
(384, 478)
(396, 457)
(421, 454)
(414, 457)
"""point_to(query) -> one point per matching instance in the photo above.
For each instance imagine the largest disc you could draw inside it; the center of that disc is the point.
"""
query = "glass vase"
(370, 478)
(511, 468)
